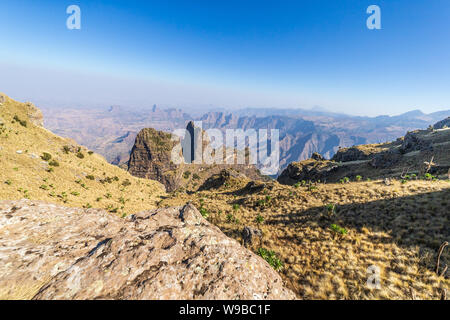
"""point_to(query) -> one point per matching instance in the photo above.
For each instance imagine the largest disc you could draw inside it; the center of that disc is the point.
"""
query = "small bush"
(331, 208)
(204, 212)
(271, 258)
(46, 156)
(259, 219)
(337, 229)
(358, 178)
(53, 163)
(186, 174)
(126, 183)
(8, 182)
(66, 149)
(195, 176)
(90, 177)
(80, 155)
(236, 207)
(90, 153)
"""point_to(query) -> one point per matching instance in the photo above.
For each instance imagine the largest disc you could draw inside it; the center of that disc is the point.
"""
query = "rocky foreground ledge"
(53, 252)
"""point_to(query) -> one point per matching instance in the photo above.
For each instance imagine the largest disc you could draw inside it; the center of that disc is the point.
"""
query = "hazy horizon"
(233, 55)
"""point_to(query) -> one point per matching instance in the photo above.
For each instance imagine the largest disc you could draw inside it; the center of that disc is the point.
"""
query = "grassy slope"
(398, 228)
(24, 174)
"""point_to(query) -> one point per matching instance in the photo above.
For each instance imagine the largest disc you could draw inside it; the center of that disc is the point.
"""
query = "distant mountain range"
(111, 131)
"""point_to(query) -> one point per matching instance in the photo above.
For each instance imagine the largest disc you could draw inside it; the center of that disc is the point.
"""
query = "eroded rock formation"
(54, 252)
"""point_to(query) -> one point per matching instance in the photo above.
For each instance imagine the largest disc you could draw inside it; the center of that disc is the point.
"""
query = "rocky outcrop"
(442, 124)
(54, 252)
(351, 154)
(151, 158)
(35, 115)
(413, 142)
(308, 170)
(386, 159)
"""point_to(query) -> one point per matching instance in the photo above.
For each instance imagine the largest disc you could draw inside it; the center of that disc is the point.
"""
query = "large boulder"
(53, 252)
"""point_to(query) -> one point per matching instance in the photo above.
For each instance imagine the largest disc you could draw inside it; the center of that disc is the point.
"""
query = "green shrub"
(271, 258)
(53, 163)
(195, 176)
(186, 174)
(23, 123)
(46, 156)
(8, 182)
(331, 208)
(66, 149)
(358, 178)
(90, 177)
(259, 219)
(337, 229)
(236, 207)
(126, 183)
(90, 153)
(204, 212)
(80, 155)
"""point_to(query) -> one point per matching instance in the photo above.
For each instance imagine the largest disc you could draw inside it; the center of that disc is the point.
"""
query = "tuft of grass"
(337, 229)
(204, 212)
(271, 258)
(259, 219)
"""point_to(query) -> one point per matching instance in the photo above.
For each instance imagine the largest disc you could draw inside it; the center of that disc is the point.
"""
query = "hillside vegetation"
(323, 237)
(39, 165)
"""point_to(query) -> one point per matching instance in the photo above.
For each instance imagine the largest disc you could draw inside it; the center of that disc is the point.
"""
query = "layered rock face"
(151, 158)
(54, 252)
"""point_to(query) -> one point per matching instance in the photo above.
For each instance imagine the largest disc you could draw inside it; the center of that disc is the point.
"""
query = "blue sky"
(231, 54)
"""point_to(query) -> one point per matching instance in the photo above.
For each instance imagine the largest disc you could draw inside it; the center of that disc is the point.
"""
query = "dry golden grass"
(76, 182)
(398, 228)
